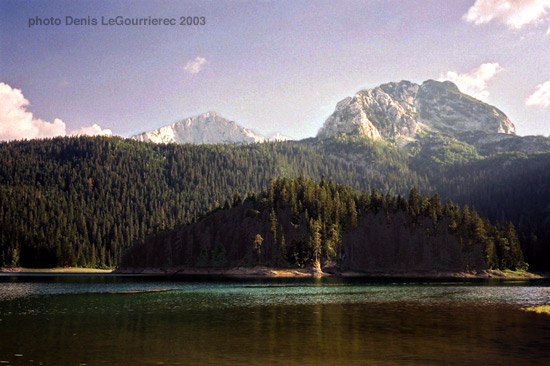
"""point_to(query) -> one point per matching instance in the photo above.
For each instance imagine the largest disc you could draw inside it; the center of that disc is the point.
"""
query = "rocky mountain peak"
(431, 84)
(404, 90)
(443, 107)
(403, 109)
(207, 128)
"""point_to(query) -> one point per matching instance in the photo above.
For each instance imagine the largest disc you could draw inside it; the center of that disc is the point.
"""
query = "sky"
(268, 65)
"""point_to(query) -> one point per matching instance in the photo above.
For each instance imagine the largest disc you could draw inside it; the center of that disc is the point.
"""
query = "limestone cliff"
(403, 109)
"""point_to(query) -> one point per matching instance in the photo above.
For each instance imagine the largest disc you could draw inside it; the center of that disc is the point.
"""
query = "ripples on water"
(280, 291)
(72, 320)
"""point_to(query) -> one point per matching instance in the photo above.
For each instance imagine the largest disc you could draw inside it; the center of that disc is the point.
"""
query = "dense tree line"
(506, 180)
(80, 201)
(302, 223)
(511, 187)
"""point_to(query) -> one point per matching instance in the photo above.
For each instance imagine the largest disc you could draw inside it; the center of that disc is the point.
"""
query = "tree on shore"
(258, 240)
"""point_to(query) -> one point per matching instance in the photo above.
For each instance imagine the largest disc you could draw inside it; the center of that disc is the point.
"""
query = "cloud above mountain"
(474, 82)
(93, 130)
(195, 66)
(541, 96)
(16, 122)
(515, 14)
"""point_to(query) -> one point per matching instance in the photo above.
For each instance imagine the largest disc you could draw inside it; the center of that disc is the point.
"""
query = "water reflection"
(243, 323)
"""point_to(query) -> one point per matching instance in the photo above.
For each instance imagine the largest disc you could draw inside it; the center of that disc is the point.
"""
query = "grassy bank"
(542, 309)
(504, 274)
(55, 270)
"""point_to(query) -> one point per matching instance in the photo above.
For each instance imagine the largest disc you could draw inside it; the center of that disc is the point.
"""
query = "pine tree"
(282, 244)
(273, 225)
(315, 243)
(258, 240)
(414, 202)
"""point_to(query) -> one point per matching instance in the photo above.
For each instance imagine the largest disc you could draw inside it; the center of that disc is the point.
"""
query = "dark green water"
(69, 320)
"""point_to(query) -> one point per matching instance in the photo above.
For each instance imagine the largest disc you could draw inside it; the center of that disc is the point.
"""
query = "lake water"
(72, 320)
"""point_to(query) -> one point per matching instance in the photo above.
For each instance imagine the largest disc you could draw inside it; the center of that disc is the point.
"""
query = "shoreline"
(273, 272)
(59, 270)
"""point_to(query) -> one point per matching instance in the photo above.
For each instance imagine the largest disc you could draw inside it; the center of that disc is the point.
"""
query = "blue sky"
(268, 65)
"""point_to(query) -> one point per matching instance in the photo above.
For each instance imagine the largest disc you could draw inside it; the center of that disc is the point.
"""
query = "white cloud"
(514, 13)
(541, 96)
(18, 123)
(195, 66)
(93, 130)
(474, 82)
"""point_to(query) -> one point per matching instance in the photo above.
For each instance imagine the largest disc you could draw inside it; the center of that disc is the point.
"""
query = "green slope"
(296, 222)
(82, 201)
(79, 201)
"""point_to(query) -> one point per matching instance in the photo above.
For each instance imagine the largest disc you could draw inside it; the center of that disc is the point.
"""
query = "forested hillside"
(507, 187)
(83, 201)
(296, 222)
(80, 201)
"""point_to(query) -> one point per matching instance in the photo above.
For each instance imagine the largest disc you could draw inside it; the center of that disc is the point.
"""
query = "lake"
(77, 320)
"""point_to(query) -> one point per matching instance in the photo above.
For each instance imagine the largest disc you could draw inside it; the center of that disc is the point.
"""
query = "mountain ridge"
(395, 111)
(206, 128)
(82, 201)
(404, 110)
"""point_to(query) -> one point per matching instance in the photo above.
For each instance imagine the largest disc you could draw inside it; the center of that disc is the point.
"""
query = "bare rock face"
(208, 128)
(404, 109)
(443, 107)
